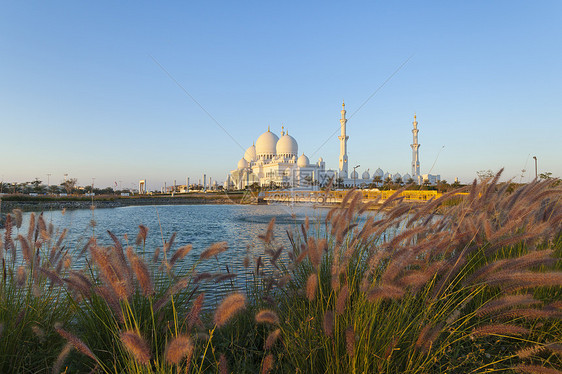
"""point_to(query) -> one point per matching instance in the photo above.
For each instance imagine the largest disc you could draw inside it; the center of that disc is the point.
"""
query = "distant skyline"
(81, 94)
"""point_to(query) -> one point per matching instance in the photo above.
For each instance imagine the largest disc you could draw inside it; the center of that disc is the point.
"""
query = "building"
(274, 161)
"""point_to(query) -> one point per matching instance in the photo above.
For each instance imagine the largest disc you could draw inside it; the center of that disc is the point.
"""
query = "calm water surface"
(199, 225)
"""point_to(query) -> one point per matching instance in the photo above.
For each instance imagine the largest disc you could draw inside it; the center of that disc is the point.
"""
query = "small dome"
(242, 164)
(406, 177)
(366, 175)
(303, 161)
(387, 176)
(250, 154)
(287, 146)
(379, 173)
(354, 175)
(265, 145)
(396, 176)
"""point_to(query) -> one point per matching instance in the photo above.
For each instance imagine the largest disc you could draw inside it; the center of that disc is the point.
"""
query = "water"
(199, 225)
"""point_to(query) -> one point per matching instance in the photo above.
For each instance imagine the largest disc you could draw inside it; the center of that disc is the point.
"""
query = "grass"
(465, 287)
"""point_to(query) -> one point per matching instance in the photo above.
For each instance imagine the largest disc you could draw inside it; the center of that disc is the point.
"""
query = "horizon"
(118, 92)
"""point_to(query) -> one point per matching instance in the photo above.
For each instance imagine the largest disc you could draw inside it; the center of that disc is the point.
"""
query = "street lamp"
(354, 175)
(535, 158)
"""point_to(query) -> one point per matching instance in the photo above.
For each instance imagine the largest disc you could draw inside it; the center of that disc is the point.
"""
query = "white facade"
(274, 161)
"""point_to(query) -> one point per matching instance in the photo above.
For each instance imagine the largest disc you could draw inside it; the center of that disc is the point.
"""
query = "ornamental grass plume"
(214, 250)
(272, 339)
(267, 316)
(136, 345)
(76, 343)
(228, 308)
(267, 364)
(311, 286)
(141, 236)
(223, 365)
(179, 348)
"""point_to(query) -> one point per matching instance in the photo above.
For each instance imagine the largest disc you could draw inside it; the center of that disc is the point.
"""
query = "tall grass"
(473, 286)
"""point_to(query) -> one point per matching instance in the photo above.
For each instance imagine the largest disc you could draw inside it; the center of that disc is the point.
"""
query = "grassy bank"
(476, 288)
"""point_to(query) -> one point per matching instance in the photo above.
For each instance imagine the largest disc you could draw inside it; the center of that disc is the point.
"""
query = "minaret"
(343, 144)
(415, 153)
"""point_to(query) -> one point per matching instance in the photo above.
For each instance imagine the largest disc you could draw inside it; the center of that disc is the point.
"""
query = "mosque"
(274, 161)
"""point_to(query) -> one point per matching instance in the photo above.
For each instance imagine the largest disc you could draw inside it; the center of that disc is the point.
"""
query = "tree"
(69, 185)
(377, 180)
(545, 175)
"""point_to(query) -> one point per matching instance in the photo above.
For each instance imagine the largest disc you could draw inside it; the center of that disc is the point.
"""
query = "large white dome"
(250, 154)
(366, 175)
(379, 173)
(396, 176)
(242, 164)
(265, 145)
(287, 146)
(303, 161)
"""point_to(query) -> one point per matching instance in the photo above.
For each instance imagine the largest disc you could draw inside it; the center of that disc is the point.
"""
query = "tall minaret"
(415, 153)
(343, 144)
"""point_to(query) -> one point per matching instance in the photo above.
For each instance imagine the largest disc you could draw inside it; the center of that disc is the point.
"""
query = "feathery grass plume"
(80, 283)
(18, 218)
(111, 299)
(267, 316)
(179, 348)
(529, 351)
(201, 277)
(535, 369)
(223, 365)
(31, 227)
(350, 341)
(61, 238)
(52, 275)
(156, 255)
(57, 366)
(120, 262)
(228, 307)
(8, 242)
(499, 329)
(271, 339)
(328, 323)
(76, 342)
(513, 281)
(180, 253)
(267, 364)
(529, 313)
(268, 236)
(385, 291)
(427, 336)
(143, 275)
(168, 245)
(111, 271)
(505, 302)
(214, 250)
(311, 286)
(341, 300)
(136, 345)
(193, 316)
(141, 236)
(21, 276)
(314, 253)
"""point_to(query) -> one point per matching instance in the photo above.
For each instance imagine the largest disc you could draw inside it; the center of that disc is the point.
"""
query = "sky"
(123, 91)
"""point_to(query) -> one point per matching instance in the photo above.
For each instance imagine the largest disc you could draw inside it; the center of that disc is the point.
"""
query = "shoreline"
(46, 203)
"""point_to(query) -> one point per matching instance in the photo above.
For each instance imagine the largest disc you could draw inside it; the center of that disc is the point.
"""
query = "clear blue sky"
(80, 94)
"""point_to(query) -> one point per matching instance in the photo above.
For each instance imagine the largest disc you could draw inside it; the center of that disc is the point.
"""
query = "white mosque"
(274, 161)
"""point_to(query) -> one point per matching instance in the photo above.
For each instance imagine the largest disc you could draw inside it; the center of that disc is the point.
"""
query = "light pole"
(535, 158)
(355, 175)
